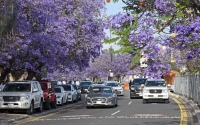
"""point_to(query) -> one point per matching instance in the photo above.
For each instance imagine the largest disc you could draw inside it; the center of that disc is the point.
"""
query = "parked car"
(49, 94)
(155, 89)
(71, 91)
(84, 86)
(22, 95)
(136, 87)
(101, 96)
(78, 91)
(61, 95)
(116, 86)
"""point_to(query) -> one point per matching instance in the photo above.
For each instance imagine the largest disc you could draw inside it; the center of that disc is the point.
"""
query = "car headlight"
(145, 90)
(24, 97)
(165, 90)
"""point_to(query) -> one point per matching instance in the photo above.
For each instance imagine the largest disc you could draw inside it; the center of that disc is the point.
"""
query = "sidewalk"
(7, 119)
(191, 103)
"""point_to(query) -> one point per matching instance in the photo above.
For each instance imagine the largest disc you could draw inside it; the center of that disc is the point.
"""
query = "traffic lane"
(123, 114)
(76, 112)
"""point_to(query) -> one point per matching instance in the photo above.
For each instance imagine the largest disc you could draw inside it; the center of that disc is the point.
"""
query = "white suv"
(155, 89)
(23, 95)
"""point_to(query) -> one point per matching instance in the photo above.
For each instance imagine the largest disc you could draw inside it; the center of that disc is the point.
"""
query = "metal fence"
(188, 86)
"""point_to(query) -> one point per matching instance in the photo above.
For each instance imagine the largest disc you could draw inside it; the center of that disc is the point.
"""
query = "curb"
(191, 103)
(45, 112)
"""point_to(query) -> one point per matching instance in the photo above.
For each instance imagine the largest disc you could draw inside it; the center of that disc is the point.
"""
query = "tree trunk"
(4, 74)
(31, 74)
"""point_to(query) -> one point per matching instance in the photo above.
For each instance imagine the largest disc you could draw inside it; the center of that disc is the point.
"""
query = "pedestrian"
(130, 83)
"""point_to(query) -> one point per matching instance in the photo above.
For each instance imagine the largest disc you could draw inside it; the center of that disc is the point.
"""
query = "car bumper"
(135, 94)
(119, 92)
(155, 96)
(59, 101)
(14, 105)
(107, 103)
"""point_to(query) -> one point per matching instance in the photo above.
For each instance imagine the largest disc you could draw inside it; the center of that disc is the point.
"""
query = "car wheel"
(144, 101)
(47, 104)
(88, 107)
(31, 109)
(167, 101)
(41, 107)
(80, 97)
(53, 104)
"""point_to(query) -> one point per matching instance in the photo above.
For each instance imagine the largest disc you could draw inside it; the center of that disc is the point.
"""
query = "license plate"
(10, 105)
(98, 102)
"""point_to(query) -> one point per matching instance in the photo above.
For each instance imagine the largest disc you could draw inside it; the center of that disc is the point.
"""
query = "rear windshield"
(57, 90)
(43, 86)
(17, 87)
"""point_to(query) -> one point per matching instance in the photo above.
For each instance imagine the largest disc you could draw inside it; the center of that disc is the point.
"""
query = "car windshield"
(67, 88)
(17, 87)
(138, 81)
(57, 90)
(114, 84)
(155, 83)
(100, 90)
(85, 83)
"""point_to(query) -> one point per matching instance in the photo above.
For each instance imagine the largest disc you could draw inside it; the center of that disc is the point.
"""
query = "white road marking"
(77, 116)
(116, 112)
(129, 103)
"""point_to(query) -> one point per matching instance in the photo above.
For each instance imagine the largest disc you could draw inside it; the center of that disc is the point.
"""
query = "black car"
(136, 87)
(84, 86)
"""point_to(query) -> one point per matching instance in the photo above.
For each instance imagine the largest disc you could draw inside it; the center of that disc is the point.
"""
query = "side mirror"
(35, 90)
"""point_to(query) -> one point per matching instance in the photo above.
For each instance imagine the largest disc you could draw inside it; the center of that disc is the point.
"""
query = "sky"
(112, 9)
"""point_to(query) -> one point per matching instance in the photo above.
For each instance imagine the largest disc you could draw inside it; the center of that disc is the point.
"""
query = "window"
(57, 90)
(17, 87)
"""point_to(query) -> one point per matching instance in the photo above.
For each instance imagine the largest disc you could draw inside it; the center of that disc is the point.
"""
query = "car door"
(37, 95)
(74, 94)
(64, 94)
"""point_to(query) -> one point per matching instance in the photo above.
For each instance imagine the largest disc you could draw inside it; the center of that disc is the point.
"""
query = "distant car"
(116, 86)
(155, 89)
(78, 91)
(71, 91)
(101, 96)
(61, 95)
(56, 82)
(136, 87)
(84, 86)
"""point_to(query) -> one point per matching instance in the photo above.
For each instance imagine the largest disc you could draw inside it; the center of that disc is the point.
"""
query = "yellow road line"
(35, 119)
(184, 117)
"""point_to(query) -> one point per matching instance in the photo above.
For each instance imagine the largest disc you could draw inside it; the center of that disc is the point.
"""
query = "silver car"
(101, 96)
(23, 95)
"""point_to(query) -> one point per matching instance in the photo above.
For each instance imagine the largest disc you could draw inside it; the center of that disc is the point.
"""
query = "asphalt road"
(128, 112)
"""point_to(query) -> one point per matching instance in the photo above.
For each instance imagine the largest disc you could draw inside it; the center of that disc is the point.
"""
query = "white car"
(61, 95)
(71, 92)
(155, 89)
(117, 87)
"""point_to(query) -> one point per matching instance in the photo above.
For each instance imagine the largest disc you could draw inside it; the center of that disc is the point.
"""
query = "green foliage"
(194, 44)
(115, 1)
(174, 67)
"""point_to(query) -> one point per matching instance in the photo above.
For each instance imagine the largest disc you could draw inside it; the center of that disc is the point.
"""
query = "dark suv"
(49, 94)
(136, 87)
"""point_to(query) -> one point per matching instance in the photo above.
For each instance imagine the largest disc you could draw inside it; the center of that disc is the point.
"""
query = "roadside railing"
(188, 86)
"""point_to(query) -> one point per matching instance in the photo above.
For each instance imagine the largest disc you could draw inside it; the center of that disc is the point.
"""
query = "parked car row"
(36, 95)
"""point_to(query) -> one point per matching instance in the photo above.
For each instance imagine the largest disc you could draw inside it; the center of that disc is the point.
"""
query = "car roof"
(24, 81)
